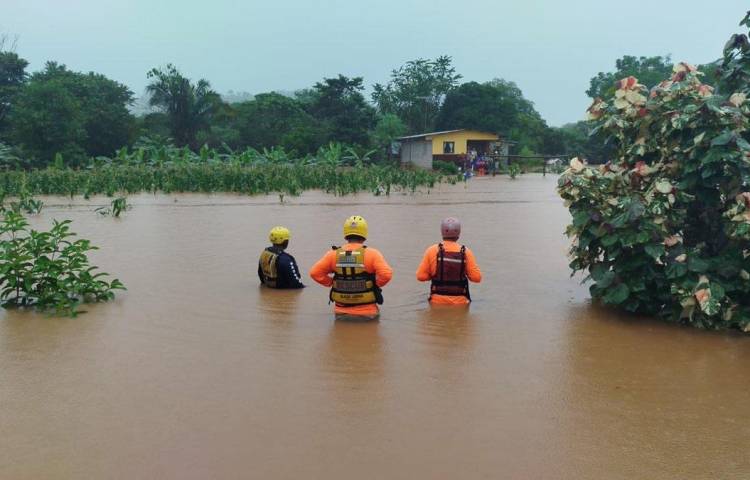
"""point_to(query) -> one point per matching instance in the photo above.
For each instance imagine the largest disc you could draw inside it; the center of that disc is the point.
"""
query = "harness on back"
(269, 260)
(352, 284)
(450, 274)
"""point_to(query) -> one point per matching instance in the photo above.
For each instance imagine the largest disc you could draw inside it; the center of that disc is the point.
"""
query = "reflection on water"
(654, 388)
(278, 309)
(352, 363)
(196, 372)
(354, 350)
(446, 328)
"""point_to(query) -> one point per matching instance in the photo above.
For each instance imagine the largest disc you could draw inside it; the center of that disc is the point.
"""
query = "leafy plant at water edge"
(48, 270)
(514, 170)
(446, 168)
(116, 207)
(25, 203)
(664, 228)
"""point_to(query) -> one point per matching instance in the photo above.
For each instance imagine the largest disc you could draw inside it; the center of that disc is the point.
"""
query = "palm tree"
(188, 106)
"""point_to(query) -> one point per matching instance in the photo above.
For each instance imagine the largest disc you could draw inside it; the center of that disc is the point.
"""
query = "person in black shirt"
(276, 268)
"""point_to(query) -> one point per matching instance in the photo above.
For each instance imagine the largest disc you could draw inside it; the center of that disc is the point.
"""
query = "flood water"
(195, 372)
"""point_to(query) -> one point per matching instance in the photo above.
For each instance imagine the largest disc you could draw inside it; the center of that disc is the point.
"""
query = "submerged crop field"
(193, 177)
(180, 170)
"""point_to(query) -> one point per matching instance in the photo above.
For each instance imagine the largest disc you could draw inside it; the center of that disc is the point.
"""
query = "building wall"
(418, 153)
(459, 139)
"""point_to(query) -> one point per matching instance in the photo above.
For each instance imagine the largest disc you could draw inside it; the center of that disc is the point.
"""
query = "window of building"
(448, 147)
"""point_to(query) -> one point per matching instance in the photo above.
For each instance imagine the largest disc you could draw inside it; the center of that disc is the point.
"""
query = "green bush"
(48, 270)
(664, 228)
(116, 207)
(514, 170)
(446, 168)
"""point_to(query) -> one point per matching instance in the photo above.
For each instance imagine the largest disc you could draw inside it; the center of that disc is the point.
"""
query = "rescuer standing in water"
(276, 268)
(355, 274)
(449, 266)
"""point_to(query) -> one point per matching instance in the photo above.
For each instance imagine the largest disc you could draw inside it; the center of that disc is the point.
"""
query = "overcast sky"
(550, 48)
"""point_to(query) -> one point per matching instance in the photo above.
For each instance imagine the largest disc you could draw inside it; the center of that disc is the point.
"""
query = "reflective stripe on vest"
(269, 260)
(450, 274)
(352, 285)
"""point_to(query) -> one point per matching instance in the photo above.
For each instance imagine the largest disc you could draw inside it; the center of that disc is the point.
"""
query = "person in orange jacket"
(355, 273)
(450, 267)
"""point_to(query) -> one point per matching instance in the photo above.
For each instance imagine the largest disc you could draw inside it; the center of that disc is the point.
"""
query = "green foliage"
(9, 158)
(26, 204)
(665, 228)
(514, 170)
(48, 270)
(12, 78)
(339, 105)
(116, 207)
(446, 168)
(734, 72)
(358, 157)
(330, 155)
(648, 70)
(416, 91)
(496, 106)
(526, 152)
(76, 114)
(47, 119)
(272, 119)
(156, 167)
(155, 124)
(576, 140)
(387, 130)
(188, 106)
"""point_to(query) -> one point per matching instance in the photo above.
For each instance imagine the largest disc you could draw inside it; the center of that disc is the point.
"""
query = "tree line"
(60, 113)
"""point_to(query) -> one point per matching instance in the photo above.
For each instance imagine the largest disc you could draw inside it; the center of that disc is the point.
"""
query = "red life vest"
(450, 274)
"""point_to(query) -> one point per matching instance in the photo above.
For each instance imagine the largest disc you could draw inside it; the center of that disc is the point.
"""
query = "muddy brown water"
(195, 372)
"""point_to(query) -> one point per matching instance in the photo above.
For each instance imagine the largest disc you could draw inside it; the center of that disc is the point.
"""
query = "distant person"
(450, 267)
(473, 158)
(355, 273)
(276, 268)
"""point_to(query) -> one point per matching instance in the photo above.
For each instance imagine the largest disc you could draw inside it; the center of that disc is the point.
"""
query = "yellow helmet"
(279, 235)
(355, 225)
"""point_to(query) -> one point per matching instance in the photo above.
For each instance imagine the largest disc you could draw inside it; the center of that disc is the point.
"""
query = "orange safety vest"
(352, 284)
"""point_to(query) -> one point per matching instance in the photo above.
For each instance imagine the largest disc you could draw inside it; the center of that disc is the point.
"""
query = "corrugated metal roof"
(432, 134)
(408, 137)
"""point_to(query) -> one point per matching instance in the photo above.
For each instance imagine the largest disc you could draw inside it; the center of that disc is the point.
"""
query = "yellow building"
(450, 145)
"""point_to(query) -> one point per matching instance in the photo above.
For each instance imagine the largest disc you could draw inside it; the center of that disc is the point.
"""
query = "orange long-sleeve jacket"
(322, 272)
(428, 269)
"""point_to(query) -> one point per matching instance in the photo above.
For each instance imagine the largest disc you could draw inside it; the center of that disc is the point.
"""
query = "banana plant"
(355, 158)
(330, 155)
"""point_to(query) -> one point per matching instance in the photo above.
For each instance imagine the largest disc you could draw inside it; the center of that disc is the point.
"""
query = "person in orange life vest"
(355, 274)
(450, 267)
